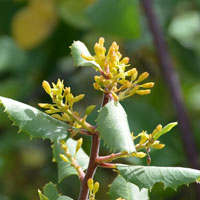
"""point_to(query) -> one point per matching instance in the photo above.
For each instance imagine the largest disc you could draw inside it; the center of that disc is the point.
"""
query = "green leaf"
(79, 48)
(113, 127)
(147, 176)
(42, 197)
(189, 36)
(73, 12)
(114, 16)
(164, 130)
(64, 168)
(11, 56)
(64, 198)
(50, 191)
(33, 121)
(129, 191)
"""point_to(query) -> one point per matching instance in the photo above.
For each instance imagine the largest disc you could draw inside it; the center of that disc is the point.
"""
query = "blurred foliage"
(34, 40)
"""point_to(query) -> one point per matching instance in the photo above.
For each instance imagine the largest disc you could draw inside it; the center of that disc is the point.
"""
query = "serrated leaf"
(42, 197)
(113, 127)
(147, 176)
(64, 198)
(164, 130)
(114, 16)
(64, 168)
(50, 191)
(79, 48)
(129, 191)
(33, 121)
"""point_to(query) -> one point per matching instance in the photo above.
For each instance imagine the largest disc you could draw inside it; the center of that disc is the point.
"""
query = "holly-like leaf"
(147, 176)
(50, 191)
(129, 191)
(64, 168)
(164, 130)
(79, 48)
(113, 127)
(114, 17)
(34, 122)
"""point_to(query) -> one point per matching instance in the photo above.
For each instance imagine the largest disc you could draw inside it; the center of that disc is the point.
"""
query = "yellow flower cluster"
(62, 107)
(115, 80)
(69, 158)
(93, 188)
(147, 140)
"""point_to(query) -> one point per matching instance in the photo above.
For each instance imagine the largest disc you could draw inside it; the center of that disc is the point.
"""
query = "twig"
(94, 154)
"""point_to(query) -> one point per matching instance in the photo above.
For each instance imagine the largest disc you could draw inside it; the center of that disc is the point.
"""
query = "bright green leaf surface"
(79, 48)
(114, 16)
(50, 191)
(64, 198)
(121, 188)
(113, 127)
(33, 121)
(147, 176)
(164, 130)
(64, 168)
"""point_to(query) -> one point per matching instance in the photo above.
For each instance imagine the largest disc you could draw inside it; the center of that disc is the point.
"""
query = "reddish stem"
(110, 158)
(108, 165)
(91, 168)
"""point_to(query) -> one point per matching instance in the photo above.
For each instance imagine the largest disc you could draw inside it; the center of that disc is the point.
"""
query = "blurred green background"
(35, 36)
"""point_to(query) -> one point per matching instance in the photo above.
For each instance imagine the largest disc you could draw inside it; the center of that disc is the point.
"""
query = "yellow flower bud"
(87, 57)
(66, 117)
(52, 111)
(134, 76)
(139, 154)
(56, 116)
(78, 98)
(96, 86)
(64, 158)
(78, 145)
(158, 128)
(66, 91)
(101, 41)
(106, 82)
(147, 85)
(143, 92)
(144, 137)
(115, 97)
(46, 87)
(131, 72)
(90, 183)
(60, 84)
(45, 105)
(142, 77)
(97, 79)
(125, 61)
(134, 90)
(157, 145)
(96, 187)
